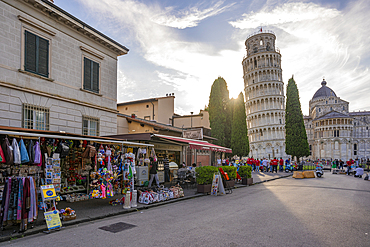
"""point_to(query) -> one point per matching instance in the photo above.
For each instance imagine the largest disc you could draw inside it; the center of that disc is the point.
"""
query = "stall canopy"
(197, 144)
(62, 135)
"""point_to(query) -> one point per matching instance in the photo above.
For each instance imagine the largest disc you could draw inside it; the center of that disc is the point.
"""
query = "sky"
(182, 47)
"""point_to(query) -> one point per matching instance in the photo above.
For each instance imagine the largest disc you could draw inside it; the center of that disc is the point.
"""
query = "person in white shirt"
(359, 171)
(265, 164)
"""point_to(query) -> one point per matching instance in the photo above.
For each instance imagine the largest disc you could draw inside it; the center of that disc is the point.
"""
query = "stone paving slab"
(98, 208)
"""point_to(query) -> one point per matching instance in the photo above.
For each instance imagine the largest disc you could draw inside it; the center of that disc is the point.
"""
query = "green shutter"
(91, 75)
(30, 52)
(36, 54)
(43, 58)
(87, 74)
(95, 79)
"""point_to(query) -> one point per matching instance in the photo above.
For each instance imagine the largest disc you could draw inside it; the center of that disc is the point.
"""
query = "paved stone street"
(331, 211)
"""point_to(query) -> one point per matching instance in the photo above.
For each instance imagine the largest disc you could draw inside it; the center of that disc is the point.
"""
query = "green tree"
(295, 133)
(217, 107)
(239, 132)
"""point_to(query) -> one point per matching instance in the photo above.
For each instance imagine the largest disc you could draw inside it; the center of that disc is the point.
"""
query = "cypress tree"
(218, 101)
(239, 132)
(296, 143)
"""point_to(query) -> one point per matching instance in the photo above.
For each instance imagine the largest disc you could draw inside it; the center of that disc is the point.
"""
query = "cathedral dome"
(324, 91)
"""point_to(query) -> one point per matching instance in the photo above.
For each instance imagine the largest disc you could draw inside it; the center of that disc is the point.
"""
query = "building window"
(35, 117)
(335, 101)
(36, 54)
(319, 110)
(355, 149)
(91, 75)
(336, 133)
(331, 108)
(90, 126)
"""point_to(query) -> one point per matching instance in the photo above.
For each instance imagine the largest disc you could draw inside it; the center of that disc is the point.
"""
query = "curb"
(42, 228)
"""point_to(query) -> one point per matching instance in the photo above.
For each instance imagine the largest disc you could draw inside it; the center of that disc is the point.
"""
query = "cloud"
(316, 41)
(285, 14)
(189, 17)
(192, 70)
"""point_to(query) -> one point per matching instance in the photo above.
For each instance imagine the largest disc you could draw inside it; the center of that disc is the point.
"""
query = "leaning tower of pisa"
(264, 92)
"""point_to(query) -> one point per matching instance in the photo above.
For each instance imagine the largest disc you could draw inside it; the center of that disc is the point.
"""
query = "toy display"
(161, 194)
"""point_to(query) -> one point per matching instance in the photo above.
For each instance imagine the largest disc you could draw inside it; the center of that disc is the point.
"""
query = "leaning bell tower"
(264, 92)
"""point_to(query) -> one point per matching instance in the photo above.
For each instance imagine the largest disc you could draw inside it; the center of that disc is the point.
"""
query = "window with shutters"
(91, 75)
(90, 126)
(36, 54)
(35, 117)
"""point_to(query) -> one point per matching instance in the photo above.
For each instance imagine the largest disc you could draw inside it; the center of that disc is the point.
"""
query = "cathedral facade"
(333, 132)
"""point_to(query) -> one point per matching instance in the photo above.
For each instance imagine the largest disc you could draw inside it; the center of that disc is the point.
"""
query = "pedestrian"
(341, 163)
(257, 165)
(274, 163)
(153, 172)
(281, 164)
(166, 164)
(265, 164)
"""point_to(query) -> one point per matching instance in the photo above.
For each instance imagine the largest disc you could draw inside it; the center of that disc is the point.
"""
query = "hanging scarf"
(32, 214)
(23, 151)
(5, 208)
(20, 199)
(16, 152)
(26, 198)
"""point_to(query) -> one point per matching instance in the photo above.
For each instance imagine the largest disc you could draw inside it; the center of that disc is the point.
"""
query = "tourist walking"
(153, 172)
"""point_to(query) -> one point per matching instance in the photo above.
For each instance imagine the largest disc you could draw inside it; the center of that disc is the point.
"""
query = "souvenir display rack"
(69, 163)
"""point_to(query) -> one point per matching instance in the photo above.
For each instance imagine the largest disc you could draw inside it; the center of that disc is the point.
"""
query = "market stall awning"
(197, 144)
(62, 135)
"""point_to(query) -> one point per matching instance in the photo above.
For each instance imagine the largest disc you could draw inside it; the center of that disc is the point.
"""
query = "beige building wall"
(62, 91)
(163, 109)
(195, 121)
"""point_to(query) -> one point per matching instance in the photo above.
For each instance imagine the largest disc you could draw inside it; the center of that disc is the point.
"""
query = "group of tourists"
(265, 165)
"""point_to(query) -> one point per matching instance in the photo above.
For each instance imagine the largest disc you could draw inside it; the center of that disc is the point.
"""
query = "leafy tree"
(295, 133)
(218, 103)
(239, 133)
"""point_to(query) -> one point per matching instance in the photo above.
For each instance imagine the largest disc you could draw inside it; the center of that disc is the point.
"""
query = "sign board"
(52, 219)
(48, 192)
(196, 134)
(217, 185)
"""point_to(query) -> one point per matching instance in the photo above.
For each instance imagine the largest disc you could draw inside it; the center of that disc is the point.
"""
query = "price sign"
(52, 219)
(48, 192)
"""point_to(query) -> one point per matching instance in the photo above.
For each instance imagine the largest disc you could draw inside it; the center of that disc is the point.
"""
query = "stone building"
(57, 73)
(333, 132)
(264, 92)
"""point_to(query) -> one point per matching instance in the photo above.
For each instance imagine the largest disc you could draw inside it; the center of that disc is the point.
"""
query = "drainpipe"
(153, 109)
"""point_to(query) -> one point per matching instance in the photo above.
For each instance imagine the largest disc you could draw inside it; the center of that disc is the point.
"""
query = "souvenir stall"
(76, 167)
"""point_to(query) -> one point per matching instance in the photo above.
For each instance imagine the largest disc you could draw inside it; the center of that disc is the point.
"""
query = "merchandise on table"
(160, 194)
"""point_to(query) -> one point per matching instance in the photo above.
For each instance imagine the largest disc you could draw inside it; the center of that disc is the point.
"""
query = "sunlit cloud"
(317, 42)
(188, 17)
(314, 41)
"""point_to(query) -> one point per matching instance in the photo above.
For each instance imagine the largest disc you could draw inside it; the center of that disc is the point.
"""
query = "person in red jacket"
(281, 164)
(274, 163)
